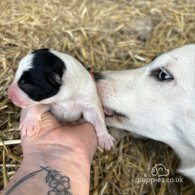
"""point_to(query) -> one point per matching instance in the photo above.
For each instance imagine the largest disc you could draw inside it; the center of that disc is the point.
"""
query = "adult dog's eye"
(161, 74)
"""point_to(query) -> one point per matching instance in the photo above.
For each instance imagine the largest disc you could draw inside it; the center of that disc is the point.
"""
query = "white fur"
(163, 111)
(24, 65)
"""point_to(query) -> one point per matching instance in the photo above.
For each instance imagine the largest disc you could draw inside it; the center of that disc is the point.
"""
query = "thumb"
(49, 122)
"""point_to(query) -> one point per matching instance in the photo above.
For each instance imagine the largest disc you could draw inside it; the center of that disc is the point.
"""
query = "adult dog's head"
(156, 101)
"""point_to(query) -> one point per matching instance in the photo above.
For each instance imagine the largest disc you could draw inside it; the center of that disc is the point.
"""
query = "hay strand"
(103, 35)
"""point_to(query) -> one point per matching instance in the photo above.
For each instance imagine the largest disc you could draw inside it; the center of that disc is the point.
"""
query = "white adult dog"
(156, 101)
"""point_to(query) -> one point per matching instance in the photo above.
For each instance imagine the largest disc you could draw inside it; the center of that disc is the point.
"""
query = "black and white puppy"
(50, 80)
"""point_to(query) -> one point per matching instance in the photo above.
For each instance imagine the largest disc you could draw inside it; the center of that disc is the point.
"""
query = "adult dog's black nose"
(98, 76)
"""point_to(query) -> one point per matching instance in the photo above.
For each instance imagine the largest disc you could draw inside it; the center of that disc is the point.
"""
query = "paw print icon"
(159, 170)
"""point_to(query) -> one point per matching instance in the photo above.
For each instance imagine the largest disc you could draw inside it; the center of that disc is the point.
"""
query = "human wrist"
(37, 167)
(57, 156)
(46, 153)
(75, 166)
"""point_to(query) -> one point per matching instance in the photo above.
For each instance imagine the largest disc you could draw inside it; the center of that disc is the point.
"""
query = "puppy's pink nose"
(12, 92)
(15, 95)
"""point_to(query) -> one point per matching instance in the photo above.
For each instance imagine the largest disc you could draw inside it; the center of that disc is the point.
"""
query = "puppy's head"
(156, 100)
(39, 77)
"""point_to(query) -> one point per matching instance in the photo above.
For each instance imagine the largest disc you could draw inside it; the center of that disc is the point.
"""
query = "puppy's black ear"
(54, 78)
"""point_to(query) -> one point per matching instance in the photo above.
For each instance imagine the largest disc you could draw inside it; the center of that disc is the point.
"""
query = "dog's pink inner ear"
(57, 78)
(54, 78)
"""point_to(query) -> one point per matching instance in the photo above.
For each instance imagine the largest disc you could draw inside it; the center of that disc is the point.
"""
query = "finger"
(49, 122)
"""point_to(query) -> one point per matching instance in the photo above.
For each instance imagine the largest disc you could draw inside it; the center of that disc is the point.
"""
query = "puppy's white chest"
(66, 111)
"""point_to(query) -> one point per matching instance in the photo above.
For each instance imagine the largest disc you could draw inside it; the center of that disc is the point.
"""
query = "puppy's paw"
(106, 141)
(29, 127)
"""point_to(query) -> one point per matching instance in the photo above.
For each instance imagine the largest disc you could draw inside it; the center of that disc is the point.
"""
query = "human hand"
(56, 159)
(56, 139)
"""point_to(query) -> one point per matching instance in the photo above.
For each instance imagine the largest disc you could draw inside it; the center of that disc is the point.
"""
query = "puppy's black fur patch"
(44, 79)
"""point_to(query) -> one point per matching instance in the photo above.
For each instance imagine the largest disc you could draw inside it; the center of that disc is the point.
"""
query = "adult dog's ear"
(54, 78)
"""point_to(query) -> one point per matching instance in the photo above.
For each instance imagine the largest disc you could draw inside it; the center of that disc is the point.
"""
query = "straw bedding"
(102, 34)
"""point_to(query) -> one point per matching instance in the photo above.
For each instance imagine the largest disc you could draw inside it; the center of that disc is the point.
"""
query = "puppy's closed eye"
(24, 85)
(161, 74)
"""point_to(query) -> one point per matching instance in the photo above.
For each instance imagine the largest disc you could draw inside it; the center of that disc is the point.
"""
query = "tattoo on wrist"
(59, 184)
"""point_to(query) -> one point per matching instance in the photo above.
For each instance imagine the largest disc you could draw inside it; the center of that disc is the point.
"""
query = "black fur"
(98, 76)
(43, 80)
